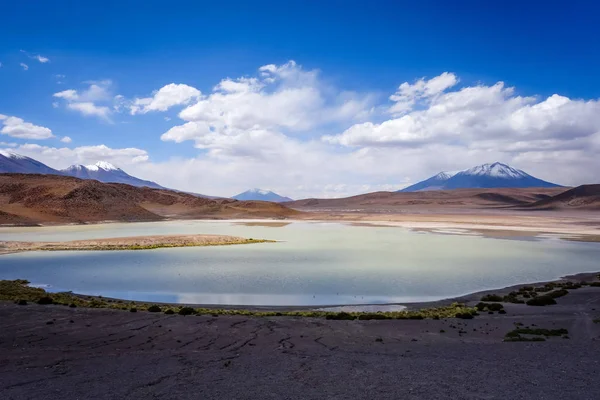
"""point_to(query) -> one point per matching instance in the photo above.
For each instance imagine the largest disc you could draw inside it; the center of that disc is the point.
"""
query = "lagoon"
(314, 264)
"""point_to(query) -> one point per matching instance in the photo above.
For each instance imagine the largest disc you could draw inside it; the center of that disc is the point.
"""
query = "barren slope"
(430, 200)
(27, 199)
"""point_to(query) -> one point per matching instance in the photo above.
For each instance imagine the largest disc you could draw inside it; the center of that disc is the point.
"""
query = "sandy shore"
(127, 243)
(55, 352)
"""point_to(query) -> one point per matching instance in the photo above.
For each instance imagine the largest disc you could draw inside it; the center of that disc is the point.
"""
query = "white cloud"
(66, 139)
(88, 108)
(408, 94)
(8, 144)
(259, 132)
(165, 98)
(283, 99)
(63, 157)
(483, 115)
(95, 100)
(37, 57)
(24, 66)
(41, 58)
(17, 128)
(55, 104)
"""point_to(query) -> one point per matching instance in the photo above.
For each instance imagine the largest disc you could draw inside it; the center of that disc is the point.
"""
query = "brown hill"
(430, 200)
(32, 199)
(584, 197)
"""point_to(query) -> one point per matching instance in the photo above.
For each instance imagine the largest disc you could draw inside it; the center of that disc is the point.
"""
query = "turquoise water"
(315, 264)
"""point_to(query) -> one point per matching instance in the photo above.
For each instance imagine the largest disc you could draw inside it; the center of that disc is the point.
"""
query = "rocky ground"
(55, 352)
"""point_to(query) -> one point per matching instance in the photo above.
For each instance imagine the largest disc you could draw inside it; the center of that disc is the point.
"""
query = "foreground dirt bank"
(54, 352)
(127, 243)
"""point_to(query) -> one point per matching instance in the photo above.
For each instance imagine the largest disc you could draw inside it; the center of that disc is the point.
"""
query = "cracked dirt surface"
(52, 352)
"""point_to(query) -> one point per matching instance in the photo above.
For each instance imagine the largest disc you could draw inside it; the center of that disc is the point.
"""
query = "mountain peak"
(11, 154)
(102, 165)
(494, 175)
(497, 169)
(261, 194)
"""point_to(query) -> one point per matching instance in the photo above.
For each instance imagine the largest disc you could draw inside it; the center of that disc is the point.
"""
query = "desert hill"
(34, 199)
(458, 199)
(585, 197)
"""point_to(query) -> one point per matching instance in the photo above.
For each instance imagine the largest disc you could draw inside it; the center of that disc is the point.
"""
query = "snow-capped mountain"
(106, 172)
(436, 182)
(259, 194)
(496, 175)
(16, 163)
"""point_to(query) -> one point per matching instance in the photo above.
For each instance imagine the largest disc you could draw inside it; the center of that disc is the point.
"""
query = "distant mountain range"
(263, 195)
(106, 172)
(18, 164)
(496, 175)
(101, 171)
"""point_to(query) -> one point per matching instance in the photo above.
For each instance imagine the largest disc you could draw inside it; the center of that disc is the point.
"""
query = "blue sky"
(333, 122)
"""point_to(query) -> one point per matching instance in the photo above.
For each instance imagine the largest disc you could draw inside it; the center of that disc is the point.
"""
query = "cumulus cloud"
(476, 115)
(64, 156)
(166, 97)
(94, 101)
(66, 139)
(18, 128)
(282, 99)
(257, 131)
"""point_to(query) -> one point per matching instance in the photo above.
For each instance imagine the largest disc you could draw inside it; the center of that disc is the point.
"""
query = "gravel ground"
(52, 352)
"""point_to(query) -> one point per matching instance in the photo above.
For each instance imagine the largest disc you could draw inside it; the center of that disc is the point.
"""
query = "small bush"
(133, 309)
(154, 308)
(186, 311)
(169, 312)
(73, 305)
(379, 339)
(464, 315)
(502, 312)
(491, 297)
(558, 293)
(21, 302)
(340, 316)
(595, 284)
(45, 300)
(541, 301)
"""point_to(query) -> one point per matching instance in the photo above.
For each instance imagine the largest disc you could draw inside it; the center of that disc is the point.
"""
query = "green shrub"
(169, 312)
(186, 311)
(45, 300)
(133, 309)
(464, 315)
(558, 293)
(544, 300)
(21, 302)
(73, 305)
(340, 316)
(154, 308)
(491, 297)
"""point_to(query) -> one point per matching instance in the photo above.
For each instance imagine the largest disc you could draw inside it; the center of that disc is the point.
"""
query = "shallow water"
(315, 264)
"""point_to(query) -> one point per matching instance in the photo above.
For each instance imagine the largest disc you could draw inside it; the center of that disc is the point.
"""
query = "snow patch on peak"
(102, 165)
(497, 169)
(75, 167)
(259, 191)
(446, 174)
(12, 154)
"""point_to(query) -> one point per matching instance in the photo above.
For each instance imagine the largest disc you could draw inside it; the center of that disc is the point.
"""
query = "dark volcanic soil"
(53, 352)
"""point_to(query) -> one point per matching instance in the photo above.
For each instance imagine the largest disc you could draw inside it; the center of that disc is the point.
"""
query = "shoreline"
(572, 226)
(128, 243)
(466, 299)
